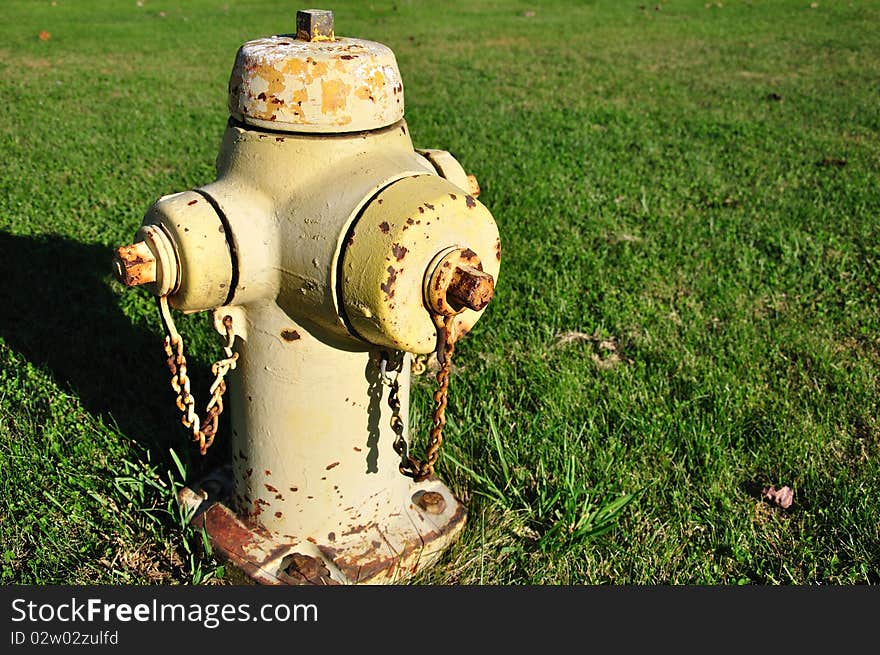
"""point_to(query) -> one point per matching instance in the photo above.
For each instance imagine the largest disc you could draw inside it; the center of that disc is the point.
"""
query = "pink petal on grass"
(782, 497)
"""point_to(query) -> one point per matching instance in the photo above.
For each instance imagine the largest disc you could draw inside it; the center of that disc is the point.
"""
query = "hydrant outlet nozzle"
(470, 288)
(134, 264)
(458, 282)
(150, 260)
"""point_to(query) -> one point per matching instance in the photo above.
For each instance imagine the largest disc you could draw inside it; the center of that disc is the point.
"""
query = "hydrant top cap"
(294, 85)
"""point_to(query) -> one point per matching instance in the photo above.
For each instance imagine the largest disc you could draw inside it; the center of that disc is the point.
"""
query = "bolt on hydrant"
(331, 252)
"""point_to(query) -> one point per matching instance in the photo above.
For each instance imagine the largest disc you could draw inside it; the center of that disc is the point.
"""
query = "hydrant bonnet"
(326, 86)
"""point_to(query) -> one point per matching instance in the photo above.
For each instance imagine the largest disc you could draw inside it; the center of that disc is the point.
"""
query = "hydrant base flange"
(410, 540)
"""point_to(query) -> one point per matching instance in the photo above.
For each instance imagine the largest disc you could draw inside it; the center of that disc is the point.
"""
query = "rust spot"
(357, 529)
(293, 488)
(312, 539)
(384, 227)
(410, 221)
(403, 129)
(356, 449)
(429, 205)
(421, 210)
(225, 530)
(278, 515)
(471, 203)
(388, 285)
(191, 203)
(279, 497)
(399, 251)
(262, 96)
(302, 569)
(347, 57)
(279, 139)
(330, 466)
(289, 335)
(331, 536)
(453, 196)
(380, 200)
(271, 488)
(468, 255)
(498, 250)
(268, 472)
(351, 238)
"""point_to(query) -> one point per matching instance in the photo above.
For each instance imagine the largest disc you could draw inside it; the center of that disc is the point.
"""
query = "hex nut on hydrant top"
(332, 254)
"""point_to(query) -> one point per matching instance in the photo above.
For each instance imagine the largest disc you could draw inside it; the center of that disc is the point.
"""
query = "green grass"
(688, 196)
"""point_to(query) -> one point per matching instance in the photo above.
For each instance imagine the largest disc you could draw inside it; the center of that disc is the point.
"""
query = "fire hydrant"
(331, 252)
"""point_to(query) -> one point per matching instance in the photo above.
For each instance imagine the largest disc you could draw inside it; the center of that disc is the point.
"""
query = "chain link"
(419, 364)
(409, 465)
(203, 430)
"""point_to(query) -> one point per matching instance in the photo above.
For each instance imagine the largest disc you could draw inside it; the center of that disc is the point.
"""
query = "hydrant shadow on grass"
(59, 312)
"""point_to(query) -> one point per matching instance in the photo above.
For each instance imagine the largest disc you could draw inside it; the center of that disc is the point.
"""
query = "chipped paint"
(341, 85)
(399, 251)
(290, 335)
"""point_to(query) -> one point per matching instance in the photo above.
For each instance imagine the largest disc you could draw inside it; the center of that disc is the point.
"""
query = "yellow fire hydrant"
(331, 252)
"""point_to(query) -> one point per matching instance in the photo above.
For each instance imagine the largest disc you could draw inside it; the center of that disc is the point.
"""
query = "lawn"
(688, 196)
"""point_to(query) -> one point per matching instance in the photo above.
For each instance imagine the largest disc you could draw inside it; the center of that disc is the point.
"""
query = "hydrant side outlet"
(389, 255)
(201, 251)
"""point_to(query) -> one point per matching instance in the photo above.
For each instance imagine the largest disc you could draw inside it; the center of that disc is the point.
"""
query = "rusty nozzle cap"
(134, 264)
(150, 261)
(458, 282)
(470, 287)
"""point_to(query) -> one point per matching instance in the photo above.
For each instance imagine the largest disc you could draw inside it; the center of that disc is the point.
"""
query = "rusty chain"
(409, 465)
(203, 430)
